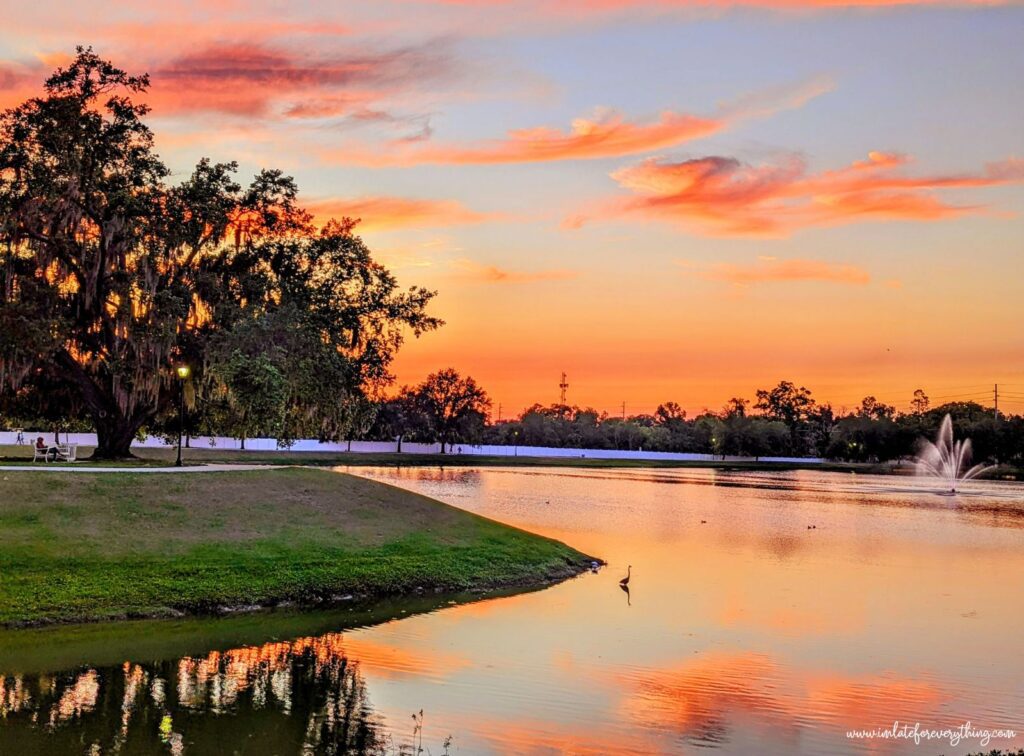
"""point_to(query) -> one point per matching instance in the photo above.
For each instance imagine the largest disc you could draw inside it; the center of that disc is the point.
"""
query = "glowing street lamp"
(183, 371)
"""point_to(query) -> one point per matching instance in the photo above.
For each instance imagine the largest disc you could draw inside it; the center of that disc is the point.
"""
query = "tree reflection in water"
(303, 696)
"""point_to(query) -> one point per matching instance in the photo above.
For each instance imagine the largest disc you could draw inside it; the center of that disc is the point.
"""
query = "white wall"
(312, 445)
(221, 442)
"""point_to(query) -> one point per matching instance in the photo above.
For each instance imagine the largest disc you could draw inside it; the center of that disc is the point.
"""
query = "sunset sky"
(669, 200)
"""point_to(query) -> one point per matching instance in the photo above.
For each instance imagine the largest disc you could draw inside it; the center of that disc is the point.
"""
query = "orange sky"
(677, 200)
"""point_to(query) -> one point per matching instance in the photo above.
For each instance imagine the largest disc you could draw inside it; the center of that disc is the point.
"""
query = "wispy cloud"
(773, 270)
(721, 196)
(280, 71)
(763, 103)
(474, 272)
(381, 213)
(257, 79)
(604, 134)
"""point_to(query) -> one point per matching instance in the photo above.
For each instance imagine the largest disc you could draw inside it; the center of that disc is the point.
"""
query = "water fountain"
(946, 459)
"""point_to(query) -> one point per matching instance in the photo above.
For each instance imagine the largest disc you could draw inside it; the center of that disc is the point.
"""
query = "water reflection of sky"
(745, 633)
(748, 631)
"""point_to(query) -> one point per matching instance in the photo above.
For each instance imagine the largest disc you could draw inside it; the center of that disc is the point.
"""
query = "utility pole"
(995, 398)
(499, 412)
(563, 386)
(623, 410)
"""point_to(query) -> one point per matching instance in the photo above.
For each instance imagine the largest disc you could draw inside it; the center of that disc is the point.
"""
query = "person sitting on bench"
(51, 450)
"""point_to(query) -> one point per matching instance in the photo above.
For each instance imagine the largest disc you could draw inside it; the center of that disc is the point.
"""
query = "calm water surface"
(744, 631)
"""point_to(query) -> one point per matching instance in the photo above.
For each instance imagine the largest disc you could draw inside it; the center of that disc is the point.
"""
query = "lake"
(769, 613)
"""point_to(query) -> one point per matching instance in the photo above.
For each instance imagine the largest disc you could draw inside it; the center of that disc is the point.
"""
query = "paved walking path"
(42, 467)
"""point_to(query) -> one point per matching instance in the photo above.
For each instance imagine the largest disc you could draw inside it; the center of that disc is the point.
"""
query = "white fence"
(365, 447)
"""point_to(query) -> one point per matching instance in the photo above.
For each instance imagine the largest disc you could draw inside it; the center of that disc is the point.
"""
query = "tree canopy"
(454, 407)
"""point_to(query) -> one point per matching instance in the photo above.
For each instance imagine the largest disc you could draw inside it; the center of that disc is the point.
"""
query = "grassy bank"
(84, 546)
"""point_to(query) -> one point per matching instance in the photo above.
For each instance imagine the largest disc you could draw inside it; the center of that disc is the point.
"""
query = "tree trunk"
(243, 442)
(115, 431)
(399, 449)
(114, 436)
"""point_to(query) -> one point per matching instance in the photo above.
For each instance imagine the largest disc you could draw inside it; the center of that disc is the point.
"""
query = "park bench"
(65, 453)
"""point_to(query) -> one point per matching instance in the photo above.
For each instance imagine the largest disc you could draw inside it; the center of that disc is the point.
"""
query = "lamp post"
(183, 371)
(516, 434)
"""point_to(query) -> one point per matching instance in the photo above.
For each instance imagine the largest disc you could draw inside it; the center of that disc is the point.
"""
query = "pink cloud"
(606, 135)
(19, 81)
(255, 79)
(721, 196)
(388, 213)
(321, 75)
(771, 270)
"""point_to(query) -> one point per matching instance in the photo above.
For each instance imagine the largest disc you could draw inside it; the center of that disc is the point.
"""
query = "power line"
(957, 396)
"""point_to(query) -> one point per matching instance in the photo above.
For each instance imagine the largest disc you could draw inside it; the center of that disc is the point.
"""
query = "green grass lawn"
(81, 546)
(22, 455)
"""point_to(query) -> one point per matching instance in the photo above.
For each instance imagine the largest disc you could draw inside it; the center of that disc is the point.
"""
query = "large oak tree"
(109, 275)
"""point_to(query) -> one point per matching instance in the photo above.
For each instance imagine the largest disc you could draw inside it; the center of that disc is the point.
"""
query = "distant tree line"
(784, 420)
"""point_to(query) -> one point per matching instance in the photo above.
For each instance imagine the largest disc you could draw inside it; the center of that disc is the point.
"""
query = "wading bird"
(625, 581)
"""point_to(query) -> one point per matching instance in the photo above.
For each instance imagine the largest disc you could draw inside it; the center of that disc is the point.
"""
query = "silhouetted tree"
(788, 404)
(872, 408)
(400, 417)
(736, 407)
(454, 405)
